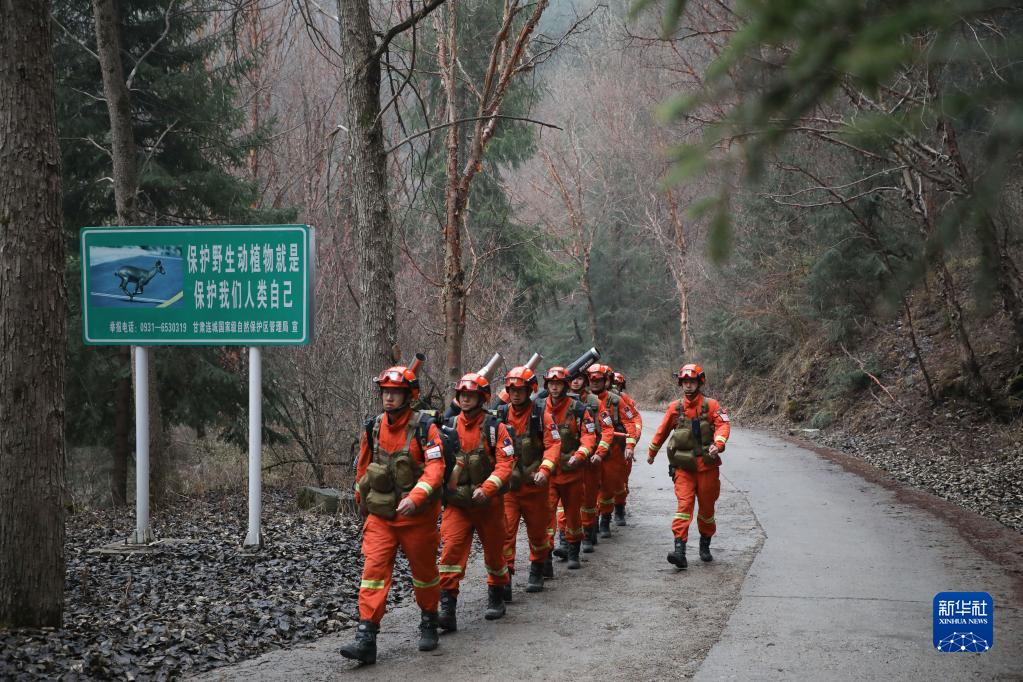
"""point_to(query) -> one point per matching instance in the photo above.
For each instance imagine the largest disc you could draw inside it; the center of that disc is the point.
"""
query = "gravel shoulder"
(626, 615)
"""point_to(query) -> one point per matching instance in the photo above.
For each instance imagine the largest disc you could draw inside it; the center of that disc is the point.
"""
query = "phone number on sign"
(164, 327)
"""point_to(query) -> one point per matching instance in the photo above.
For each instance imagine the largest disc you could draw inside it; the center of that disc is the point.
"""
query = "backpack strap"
(536, 420)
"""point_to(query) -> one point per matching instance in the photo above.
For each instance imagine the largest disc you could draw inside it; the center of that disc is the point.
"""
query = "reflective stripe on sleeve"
(496, 480)
(425, 486)
(720, 439)
(585, 450)
(630, 441)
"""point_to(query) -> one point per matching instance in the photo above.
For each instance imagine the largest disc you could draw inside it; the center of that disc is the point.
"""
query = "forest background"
(837, 268)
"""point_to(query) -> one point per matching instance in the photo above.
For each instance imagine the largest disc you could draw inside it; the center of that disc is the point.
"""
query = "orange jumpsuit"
(631, 404)
(592, 473)
(703, 486)
(457, 524)
(614, 475)
(416, 535)
(529, 502)
(566, 486)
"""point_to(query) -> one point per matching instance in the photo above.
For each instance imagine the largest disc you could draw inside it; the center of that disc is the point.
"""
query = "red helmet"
(557, 373)
(692, 371)
(520, 377)
(399, 377)
(597, 371)
(619, 380)
(474, 383)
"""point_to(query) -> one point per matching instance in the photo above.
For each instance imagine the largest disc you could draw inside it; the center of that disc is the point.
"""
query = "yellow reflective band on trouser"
(538, 548)
(609, 500)
(508, 551)
(588, 510)
(630, 441)
(622, 491)
(574, 531)
(685, 517)
(708, 520)
(561, 510)
(425, 486)
(497, 573)
(496, 480)
(372, 584)
(422, 585)
(449, 568)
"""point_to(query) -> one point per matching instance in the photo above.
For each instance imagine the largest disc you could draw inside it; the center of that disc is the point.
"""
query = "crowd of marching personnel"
(558, 459)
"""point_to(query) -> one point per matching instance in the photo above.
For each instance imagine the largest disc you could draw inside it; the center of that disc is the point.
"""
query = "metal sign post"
(143, 531)
(210, 285)
(254, 539)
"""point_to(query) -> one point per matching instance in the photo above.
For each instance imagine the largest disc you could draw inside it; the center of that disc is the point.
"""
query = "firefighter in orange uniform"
(479, 478)
(399, 475)
(536, 456)
(576, 439)
(593, 470)
(618, 385)
(699, 429)
(620, 419)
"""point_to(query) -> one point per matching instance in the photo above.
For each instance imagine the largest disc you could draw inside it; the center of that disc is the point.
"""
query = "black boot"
(561, 551)
(548, 567)
(448, 604)
(573, 555)
(678, 557)
(593, 535)
(589, 536)
(428, 631)
(495, 602)
(705, 554)
(605, 525)
(506, 591)
(535, 582)
(364, 648)
(620, 515)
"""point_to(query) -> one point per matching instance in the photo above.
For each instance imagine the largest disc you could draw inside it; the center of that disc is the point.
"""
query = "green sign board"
(201, 285)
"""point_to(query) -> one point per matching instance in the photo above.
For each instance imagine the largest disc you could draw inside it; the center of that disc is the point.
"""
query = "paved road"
(841, 575)
(844, 584)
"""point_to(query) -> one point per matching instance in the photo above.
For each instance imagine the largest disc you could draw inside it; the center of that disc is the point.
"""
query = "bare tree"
(32, 325)
(506, 60)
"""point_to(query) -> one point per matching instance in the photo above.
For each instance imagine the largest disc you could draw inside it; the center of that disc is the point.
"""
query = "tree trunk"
(378, 330)
(454, 207)
(33, 310)
(122, 137)
(124, 155)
